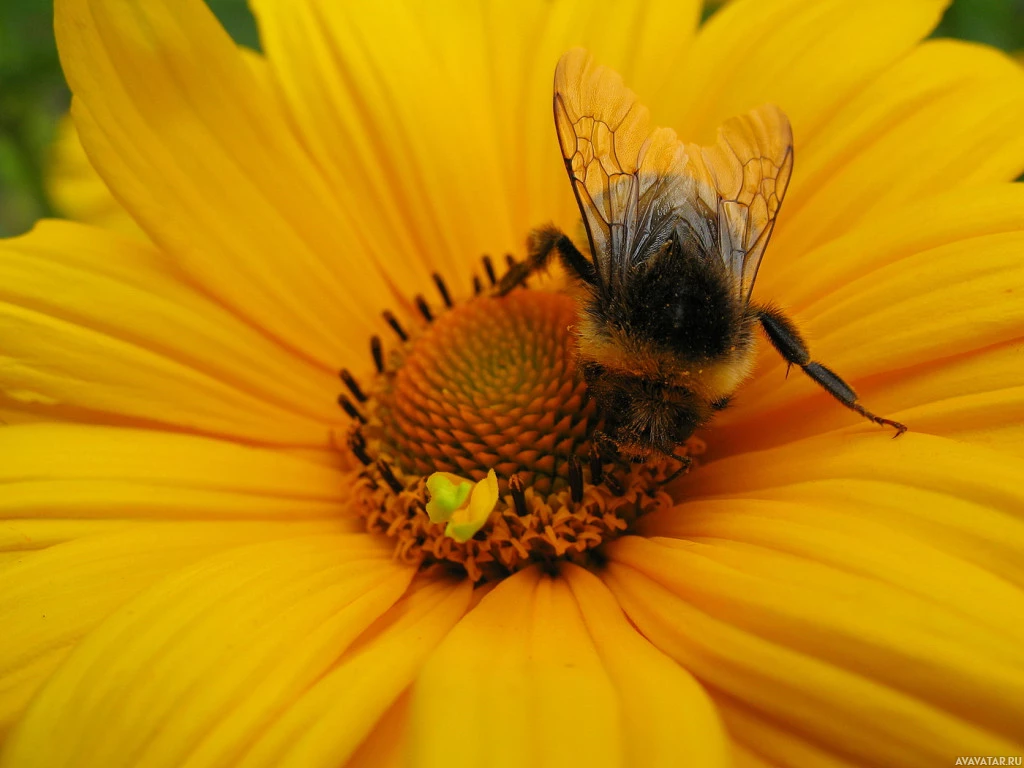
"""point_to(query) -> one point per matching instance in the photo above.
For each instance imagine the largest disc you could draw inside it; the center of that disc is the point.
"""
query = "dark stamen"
(351, 410)
(551, 567)
(575, 478)
(421, 305)
(614, 485)
(391, 320)
(489, 269)
(357, 444)
(442, 288)
(596, 466)
(353, 385)
(478, 287)
(518, 490)
(377, 350)
(510, 260)
(389, 476)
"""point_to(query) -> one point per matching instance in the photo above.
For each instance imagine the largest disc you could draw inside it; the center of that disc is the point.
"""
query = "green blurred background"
(33, 94)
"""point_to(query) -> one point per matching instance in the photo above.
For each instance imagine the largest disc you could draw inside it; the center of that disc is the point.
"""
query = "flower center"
(484, 391)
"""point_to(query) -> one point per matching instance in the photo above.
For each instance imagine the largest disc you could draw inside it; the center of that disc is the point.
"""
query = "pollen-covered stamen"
(442, 288)
(518, 490)
(353, 386)
(489, 269)
(596, 466)
(424, 309)
(576, 479)
(350, 409)
(511, 262)
(377, 350)
(388, 475)
(391, 320)
(484, 405)
(357, 444)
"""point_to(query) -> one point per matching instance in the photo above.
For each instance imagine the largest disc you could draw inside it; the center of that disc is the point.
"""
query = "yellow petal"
(77, 471)
(245, 632)
(76, 189)
(878, 545)
(962, 499)
(386, 746)
(805, 57)
(976, 398)
(328, 722)
(857, 667)
(448, 111)
(667, 717)
(19, 536)
(415, 167)
(183, 132)
(760, 742)
(548, 668)
(888, 235)
(942, 302)
(947, 115)
(79, 193)
(131, 342)
(520, 671)
(52, 598)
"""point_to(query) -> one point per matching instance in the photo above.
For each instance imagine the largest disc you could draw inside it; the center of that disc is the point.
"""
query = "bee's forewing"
(749, 168)
(620, 167)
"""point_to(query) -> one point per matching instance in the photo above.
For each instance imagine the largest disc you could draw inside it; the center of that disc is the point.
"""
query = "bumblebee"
(676, 234)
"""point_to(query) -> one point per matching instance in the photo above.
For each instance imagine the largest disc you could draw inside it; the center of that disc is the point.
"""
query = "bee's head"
(642, 416)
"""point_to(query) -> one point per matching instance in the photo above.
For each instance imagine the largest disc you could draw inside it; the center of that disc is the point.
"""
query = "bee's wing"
(635, 183)
(622, 169)
(748, 169)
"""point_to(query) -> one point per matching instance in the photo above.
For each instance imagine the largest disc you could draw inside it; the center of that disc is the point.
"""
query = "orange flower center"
(491, 384)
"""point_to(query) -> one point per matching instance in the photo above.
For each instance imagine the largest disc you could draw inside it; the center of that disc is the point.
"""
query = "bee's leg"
(544, 242)
(685, 462)
(606, 446)
(786, 339)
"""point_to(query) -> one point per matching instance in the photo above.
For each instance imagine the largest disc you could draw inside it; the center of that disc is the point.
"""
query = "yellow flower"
(185, 577)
